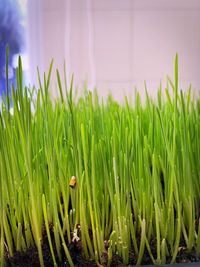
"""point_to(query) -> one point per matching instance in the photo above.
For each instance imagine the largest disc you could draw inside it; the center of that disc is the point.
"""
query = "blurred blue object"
(12, 33)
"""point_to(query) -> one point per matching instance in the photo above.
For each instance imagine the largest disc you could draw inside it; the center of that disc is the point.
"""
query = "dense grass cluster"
(136, 167)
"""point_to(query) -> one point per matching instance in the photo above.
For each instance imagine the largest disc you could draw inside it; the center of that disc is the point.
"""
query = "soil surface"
(30, 258)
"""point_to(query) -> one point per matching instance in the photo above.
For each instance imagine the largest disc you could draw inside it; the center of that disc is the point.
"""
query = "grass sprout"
(135, 170)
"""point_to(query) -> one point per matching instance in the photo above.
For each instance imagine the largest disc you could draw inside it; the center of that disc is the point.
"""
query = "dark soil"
(29, 258)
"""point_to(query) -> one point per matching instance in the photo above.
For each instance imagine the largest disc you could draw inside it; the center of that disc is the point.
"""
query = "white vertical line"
(132, 52)
(67, 37)
(91, 48)
(34, 36)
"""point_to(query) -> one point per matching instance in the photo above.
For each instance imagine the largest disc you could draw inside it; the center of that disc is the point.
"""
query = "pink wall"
(117, 44)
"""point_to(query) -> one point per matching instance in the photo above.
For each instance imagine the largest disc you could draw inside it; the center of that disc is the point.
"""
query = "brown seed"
(73, 182)
(78, 226)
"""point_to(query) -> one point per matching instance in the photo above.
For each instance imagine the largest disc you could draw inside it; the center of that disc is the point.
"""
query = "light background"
(117, 44)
